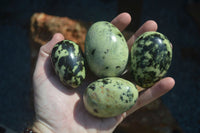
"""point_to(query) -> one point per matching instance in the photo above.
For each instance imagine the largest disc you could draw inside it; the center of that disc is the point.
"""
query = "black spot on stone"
(142, 63)
(157, 36)
(152, 74)
(93, 51)
(96, 111)
(61, 62)
(76, 82)
(162, 48)
(126, 101)
(145, 48)
(151, 46)
(150, 62)
(92, 87)
(69, 64)
(145, 39)
(68, 46)
(107, 23)
(67, 75)
(78, 69)
(129, 95)
(162, 66)
(119, 35)
(119, 87)
(103, 57)
(105, 81)
(117, 67)
(154, 53)
(107, 50)
(121, 98)
(81, 78)
(118, 83)
(106, 67)
(168, 53)
(141, 38)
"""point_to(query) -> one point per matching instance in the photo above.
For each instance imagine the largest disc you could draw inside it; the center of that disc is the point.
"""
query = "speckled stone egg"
(151, 56)
(106, 50)
(110, 97)
(68, 62)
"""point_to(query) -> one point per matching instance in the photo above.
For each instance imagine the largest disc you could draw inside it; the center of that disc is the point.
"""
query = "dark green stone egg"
(109, 97)
(68, 63)
(151, 56)
(106, 50)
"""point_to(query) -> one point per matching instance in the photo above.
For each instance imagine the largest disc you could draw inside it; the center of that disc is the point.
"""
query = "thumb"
(43, 56)
(153, 93)
(45, 50)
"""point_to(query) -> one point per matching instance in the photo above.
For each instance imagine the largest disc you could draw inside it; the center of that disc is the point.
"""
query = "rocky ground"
(172, 18)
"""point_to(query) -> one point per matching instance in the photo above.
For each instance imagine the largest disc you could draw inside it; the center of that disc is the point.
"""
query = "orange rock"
(43, 27)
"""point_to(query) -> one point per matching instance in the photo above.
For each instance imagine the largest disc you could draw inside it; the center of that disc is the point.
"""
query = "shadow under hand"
(54, 79)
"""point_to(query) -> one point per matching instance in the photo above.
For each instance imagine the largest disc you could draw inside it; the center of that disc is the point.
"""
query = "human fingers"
(122, 21)
(46, 49)
(151, 94)
(149, 25)
(44, 53)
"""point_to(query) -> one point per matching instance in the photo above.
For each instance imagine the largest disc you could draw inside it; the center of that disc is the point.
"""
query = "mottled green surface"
(151, 56)
(106, 49)
(68, 62)
(110, 97)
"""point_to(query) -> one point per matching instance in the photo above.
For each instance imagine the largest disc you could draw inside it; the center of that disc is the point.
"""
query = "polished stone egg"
(106, 50)
(109, 97)
(68, 63)
(151, 56)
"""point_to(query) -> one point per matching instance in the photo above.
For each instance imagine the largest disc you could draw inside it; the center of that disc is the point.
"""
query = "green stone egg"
(151, 56)
(109, 97)
(106, 50)
(68, 63)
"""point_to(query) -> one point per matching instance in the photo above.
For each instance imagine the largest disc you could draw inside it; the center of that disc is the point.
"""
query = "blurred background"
(179, 20)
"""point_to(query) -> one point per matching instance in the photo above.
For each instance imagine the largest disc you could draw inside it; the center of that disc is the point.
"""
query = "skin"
(61, 110)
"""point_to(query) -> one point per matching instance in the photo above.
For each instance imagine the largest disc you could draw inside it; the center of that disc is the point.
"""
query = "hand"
(61, 110)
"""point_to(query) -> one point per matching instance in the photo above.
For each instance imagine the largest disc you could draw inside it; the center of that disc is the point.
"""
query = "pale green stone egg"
(106, 50)
(109, 97)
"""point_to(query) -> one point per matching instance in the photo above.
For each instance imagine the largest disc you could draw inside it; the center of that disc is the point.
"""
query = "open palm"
(61, 110)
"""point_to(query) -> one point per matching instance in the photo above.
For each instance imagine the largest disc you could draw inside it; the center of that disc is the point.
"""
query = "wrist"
(40, 127)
